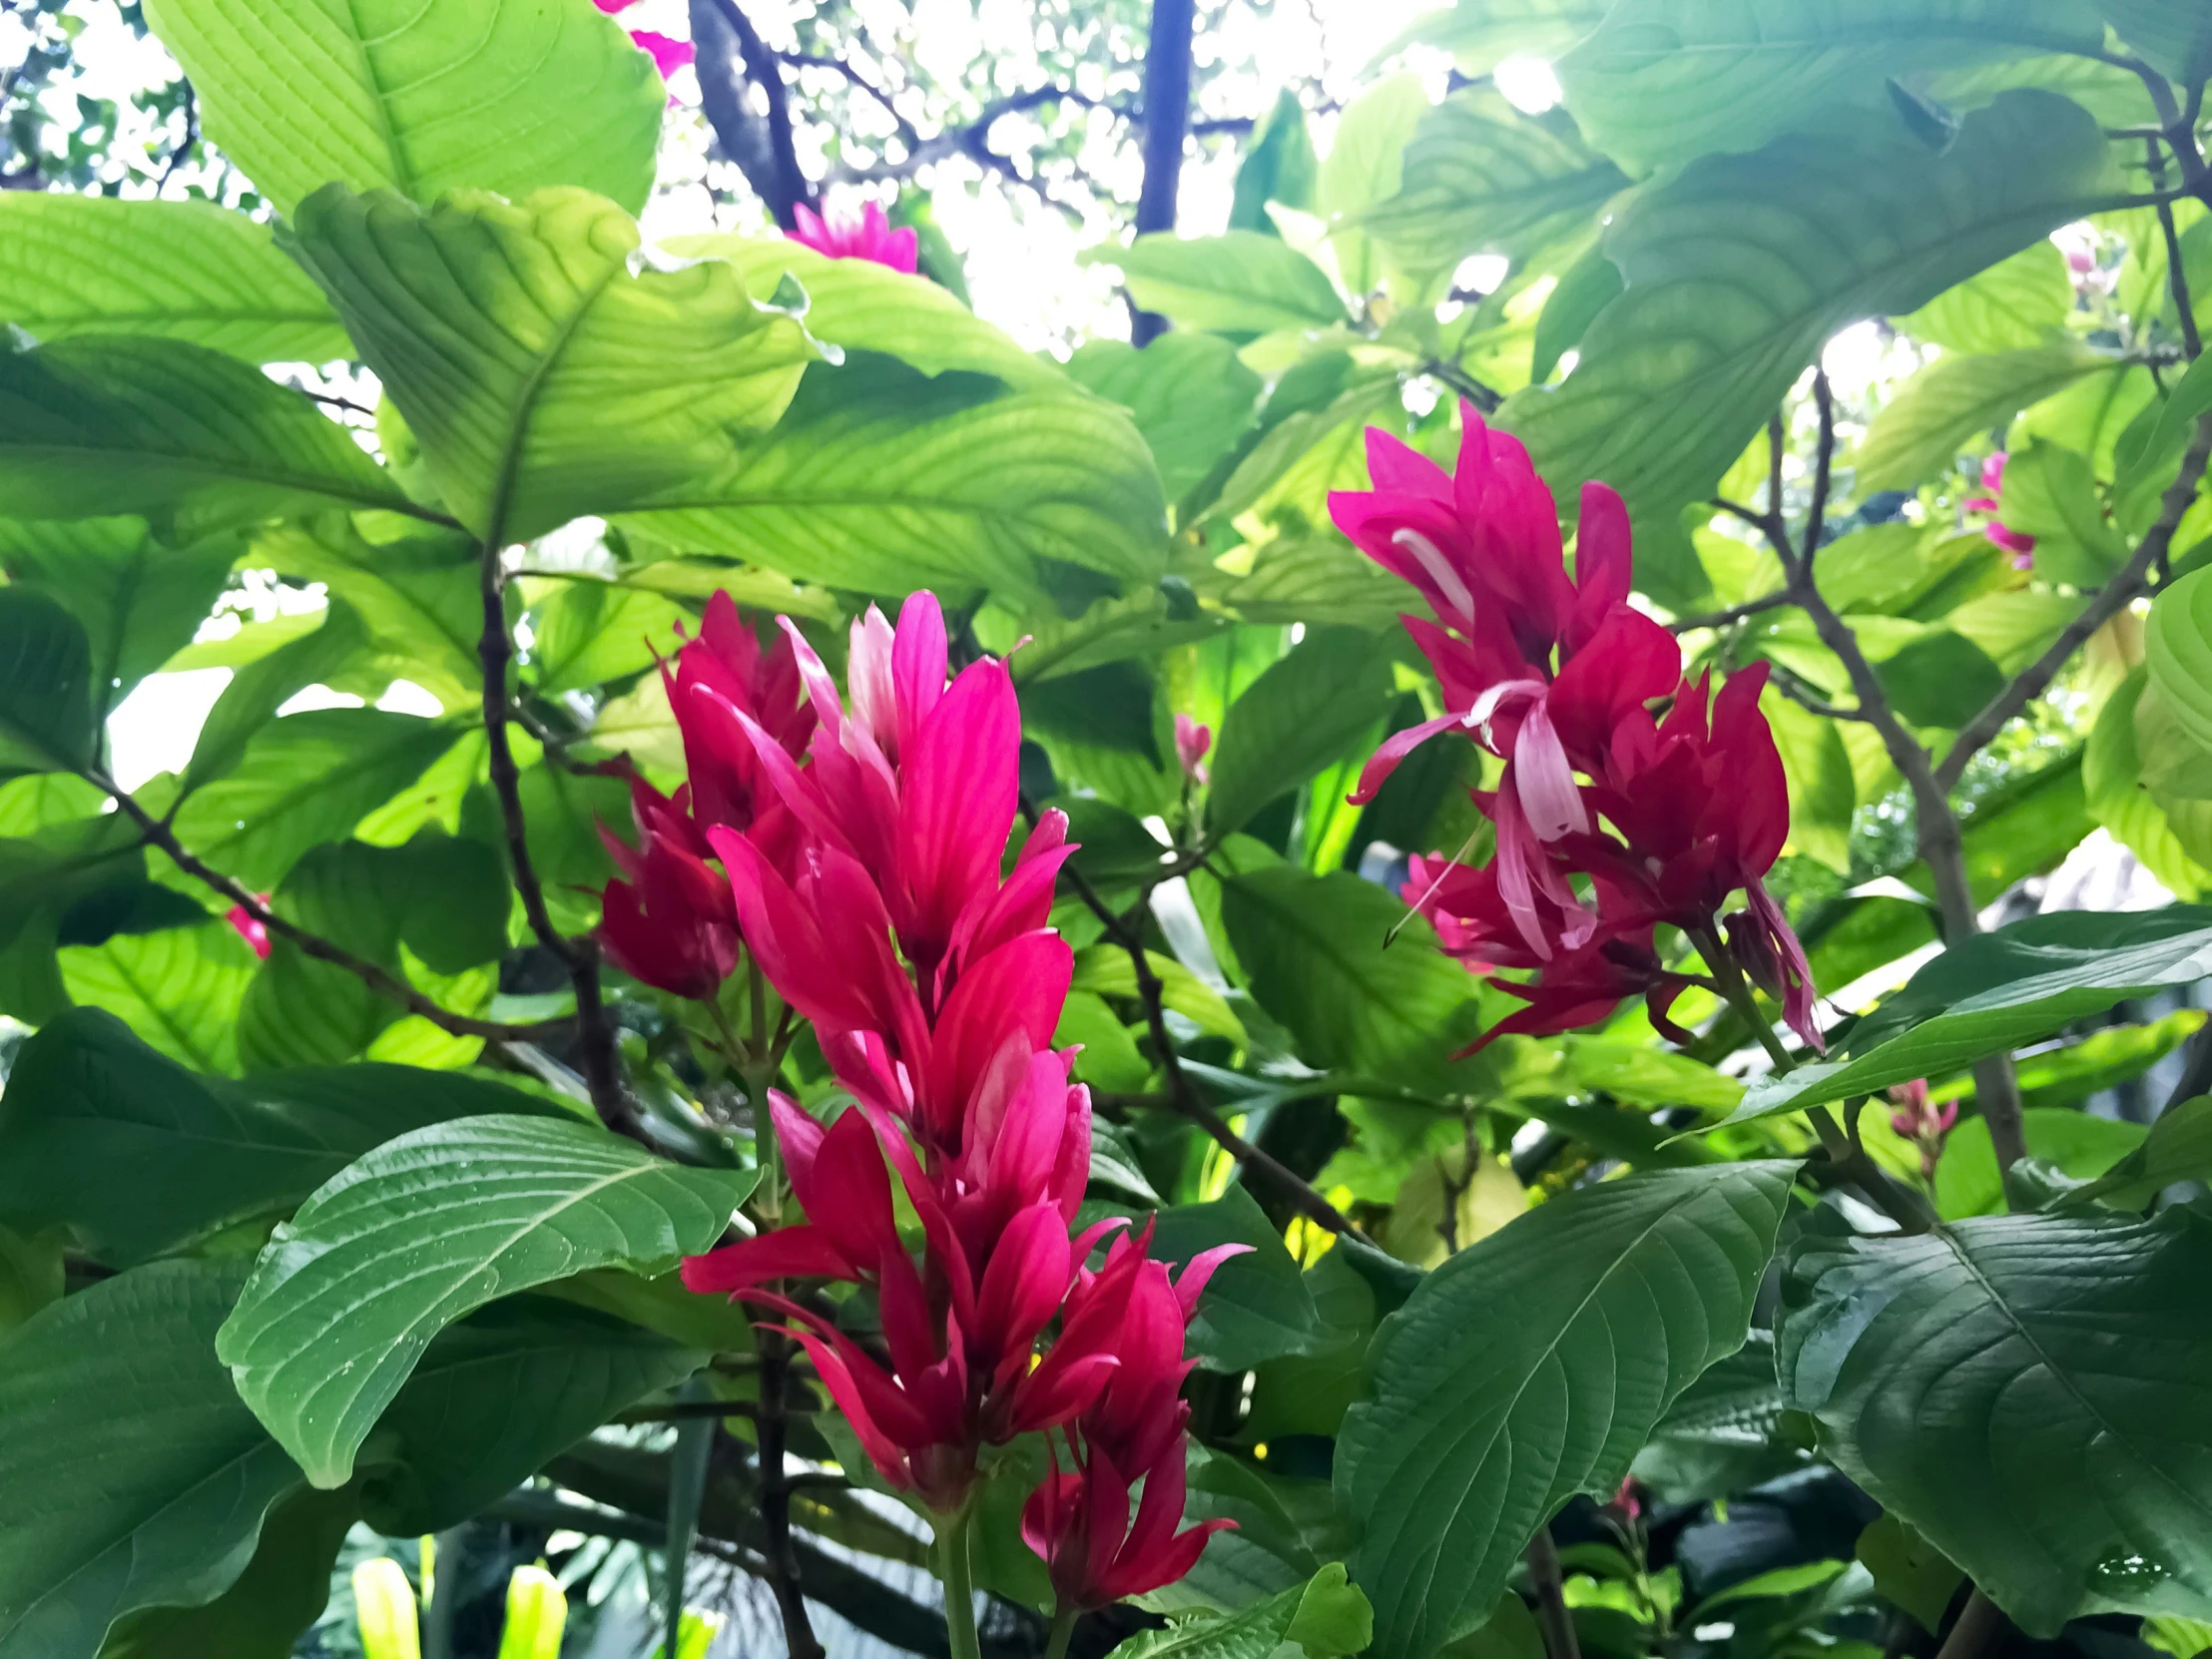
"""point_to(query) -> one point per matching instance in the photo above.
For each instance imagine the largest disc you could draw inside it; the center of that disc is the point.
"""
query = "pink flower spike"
(250, 927)
(668, 52)
(867, 237)
(1191, 743)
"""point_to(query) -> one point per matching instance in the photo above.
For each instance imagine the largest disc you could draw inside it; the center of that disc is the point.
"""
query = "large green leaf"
(496, 1395)
(1481, 37)
(415, 594)
(1739, 266)
(1533, 1366)
(1997, 991)
(1257, 1307)
(2175, 35)
(46, 714)
(2178, 650)
(427, 1227)
(2019, 301)
(1481, 177)
(189, 270)
(135, 1475)
(139, 602)
(1943, 407)
(1189, 395)
(1364, 168)
(303, 781)
(2033, 1393)
(1318, 952)
(1242, 282)
(1663, 82)
(179, 988)
(2076, 1144)
(425, 97)
(261, 687)
(542, 379)
(141, 1155)
(865, 307)
(881, 479)
(268, 1607)
(109, 424)
(1304, 713)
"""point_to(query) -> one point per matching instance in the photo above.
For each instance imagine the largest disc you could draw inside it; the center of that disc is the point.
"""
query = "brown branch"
(1182, 1098)
(1167, 118)
(1549, 1585)
(763, 146)
(777, 1553)
(1981, 1630)
(379, 979)
(595, 1035)
(1735, 613)
(2112, 597)
(810, 60)
(972, 139)
(2177, 276)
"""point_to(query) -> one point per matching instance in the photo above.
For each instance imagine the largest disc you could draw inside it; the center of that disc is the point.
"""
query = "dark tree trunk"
(1167, 121)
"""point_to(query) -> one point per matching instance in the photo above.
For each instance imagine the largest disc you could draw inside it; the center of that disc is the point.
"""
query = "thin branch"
(184, 145)
(1549, 1584)
(1735, 613)
(378, 979)
(1981, 1630)
(1823, 398)
(972, 139)
(1485, 397)
(2177, 276)
(1182, 1098)
(594, 1032)
(777, 1553)
(2112, 597)
(862, 83)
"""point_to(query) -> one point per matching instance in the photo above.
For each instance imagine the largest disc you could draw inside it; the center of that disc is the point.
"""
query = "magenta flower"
(667, 52)
(869, 237)
(2022, 547)
(250, 927)
(1191, 743)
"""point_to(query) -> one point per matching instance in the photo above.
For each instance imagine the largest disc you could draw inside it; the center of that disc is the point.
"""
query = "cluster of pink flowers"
(1921, 1121)
(2020, 545)
(859, 849)
(1659, 798)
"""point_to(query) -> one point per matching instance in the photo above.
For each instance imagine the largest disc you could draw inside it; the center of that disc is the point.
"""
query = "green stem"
(1063, 1628)
(959, 1586)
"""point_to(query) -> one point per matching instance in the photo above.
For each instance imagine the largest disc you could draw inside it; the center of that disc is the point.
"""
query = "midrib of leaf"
(524, 409)
(1548, 1351)
(1957, 1247)
(184, 1039)
(402, 168)
(395, 502)
(1868, 34)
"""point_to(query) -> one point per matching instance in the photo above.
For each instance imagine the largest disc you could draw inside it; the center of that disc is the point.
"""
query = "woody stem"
(959, 1586)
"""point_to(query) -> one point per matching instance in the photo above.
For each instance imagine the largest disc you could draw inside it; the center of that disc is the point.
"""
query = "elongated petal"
(1023, 1284)
(1394, 749)
(919, 656)
(958, 786)
(1549, 796)
(799, 1252)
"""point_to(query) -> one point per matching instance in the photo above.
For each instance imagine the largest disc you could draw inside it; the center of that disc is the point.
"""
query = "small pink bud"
(1191, 743)
(250, 927)
(2080, 261)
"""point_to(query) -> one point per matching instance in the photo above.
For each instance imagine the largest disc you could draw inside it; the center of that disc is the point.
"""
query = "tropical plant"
(1283, 1058)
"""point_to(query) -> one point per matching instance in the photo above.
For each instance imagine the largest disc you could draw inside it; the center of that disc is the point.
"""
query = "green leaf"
(881, 480)
(30, 1274)
(1315, 947)
(108, 424)
(46, 714)
(2018, 303)
(1586, 289)
(1364, 168)
(1940, 678)
(1740, 266)
(306, 780)
(1966, 1380)
(178, 990)
(1188, 393)
(1995, 992)
(2075, 1144)
(142, 1155)
(266, 684)
(1279, 165)
(2178, 1148)
(541, 378)
(1242, 282)
(2175, 35)
(189, 270)
(422, 98)
(1908, 1570)
(430, 1227)
(139, 602)
(1481, 177)
(1318, 1617)
(268, 1607)
(1533, 1366)
(2050, 493)
(1480, 38)
(1306, 711)
(587, 632)
(1663, 82)
(122, 1379)
(498, 1395)
(1257, 1307)
(415, 593)
(2178, 650)
(1723, 1432)
(866, 306)
(1955, 400)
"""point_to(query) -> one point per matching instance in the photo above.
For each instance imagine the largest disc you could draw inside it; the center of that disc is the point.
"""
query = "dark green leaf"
(298, 94)
(428, 1228)
(1908, 1570)
(178, 990)
(1306, 711)
(415, 593)
(1739, 266)
(46, 712)
(1257, 1307)
(265, 685)
(2178, 1148)
(1940, 678)
(2033, 1393)
(142, 1155)
(111, 424)
(1316, 950)
(1325, 1617)
(1533, 1366)
(1724, 1433)
(2073, 1143)
(135, 1475)
(1187, 392)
